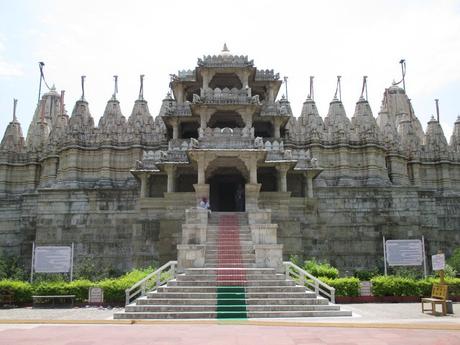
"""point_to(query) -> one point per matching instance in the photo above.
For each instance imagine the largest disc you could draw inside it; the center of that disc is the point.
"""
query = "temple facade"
(334, 185)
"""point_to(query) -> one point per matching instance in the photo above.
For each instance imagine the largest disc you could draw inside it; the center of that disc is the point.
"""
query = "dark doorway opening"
(226, 193)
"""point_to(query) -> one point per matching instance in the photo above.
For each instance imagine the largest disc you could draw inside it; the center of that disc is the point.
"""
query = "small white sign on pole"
(404, 252)
(438, 261)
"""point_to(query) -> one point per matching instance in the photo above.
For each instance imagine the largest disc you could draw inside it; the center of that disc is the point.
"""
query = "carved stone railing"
(171, 108)
(225, 61)
(226, 96)
(230, 142)
(266, 75)
(186, 75)
(226, 132)
(280, 108)
(180, 144)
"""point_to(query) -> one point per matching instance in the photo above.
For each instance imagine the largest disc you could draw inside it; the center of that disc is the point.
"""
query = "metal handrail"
(296, 273)
(151, 281)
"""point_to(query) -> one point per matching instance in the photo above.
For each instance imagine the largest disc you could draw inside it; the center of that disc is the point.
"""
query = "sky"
(350, 38)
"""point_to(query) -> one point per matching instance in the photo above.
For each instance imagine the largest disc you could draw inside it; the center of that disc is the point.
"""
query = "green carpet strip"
(231, 302)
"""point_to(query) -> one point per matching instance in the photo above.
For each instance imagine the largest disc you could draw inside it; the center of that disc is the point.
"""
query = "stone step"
(213, 295)
(246, 283)
(201, 277)
(248, 301)
(248, 289)
(228, 307)
(220, 270)
(214, 315)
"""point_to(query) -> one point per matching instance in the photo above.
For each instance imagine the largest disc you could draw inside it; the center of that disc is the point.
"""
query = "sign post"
(52, 259)
(439, 264)
(404, 253)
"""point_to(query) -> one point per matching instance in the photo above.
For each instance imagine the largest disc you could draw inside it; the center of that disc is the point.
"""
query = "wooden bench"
(50, 300)
(438, 296)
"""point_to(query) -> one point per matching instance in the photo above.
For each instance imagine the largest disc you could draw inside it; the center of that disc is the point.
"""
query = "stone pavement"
(376, 324)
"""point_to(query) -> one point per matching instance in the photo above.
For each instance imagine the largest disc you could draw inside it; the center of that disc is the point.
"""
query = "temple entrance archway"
(227, 178)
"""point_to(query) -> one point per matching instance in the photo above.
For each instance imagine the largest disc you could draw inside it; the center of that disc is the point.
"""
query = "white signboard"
(438, 261)
(49, 259)
(404, 252)
(95, 295)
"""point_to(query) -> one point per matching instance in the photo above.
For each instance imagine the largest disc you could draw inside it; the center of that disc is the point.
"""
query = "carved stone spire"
(336, 122)
(396, 107)
(81, 119)
(140, 120)
(409, 140)
(58, 131)
(363, 122)
(435, 142)
(13, 140)
(455, 138)
(44, 120)
(310, 122)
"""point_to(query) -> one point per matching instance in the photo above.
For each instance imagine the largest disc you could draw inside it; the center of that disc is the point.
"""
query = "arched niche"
(222, 119)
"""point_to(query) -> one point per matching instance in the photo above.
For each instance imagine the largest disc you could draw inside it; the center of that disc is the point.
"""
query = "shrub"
(319, 269)
(11, 268)
(344, 286)
(364, 275)
(114, 289)
(454, 260)
(394, 286)
(22, 291)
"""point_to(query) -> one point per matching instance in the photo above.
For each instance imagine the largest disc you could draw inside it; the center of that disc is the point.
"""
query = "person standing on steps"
(204, 203)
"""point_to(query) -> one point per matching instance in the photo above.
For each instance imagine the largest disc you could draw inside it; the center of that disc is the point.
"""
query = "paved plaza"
(376, 324)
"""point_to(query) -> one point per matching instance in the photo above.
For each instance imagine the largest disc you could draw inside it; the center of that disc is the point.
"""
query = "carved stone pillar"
(308, 185)
(277, 128)
(252, 196)
(171, 171)
(144, 185)
(282, 177)
(175, 125)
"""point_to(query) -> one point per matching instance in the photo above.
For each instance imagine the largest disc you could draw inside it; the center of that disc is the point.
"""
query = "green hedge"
(22, 291)
(320, 269)
(401, 286)
(343, 286)
(114, 289)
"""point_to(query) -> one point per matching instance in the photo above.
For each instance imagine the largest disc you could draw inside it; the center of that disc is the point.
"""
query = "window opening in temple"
(267, 177)
(226, 191)
(157, 186)
(189, 130)
(263, 129)
(222, 119)
(190, 92)
(296, 184)
(225, 80)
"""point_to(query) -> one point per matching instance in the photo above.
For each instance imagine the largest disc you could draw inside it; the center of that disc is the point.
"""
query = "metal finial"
(141, 89)
(403, 72)
(83, 87)
(338, 89)
(364, 88)
(62, 102)
(286, 86)
(311, 95)
(437, 109)
(15, 104)
(115, 90)
(40, 66)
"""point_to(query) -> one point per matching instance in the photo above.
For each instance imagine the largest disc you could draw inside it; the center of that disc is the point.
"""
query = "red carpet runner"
(231, 276)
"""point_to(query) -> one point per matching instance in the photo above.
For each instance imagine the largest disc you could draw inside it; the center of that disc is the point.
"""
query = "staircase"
(230, 285)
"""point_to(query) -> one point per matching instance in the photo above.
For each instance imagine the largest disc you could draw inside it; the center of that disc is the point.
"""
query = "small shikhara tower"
(226, 128)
